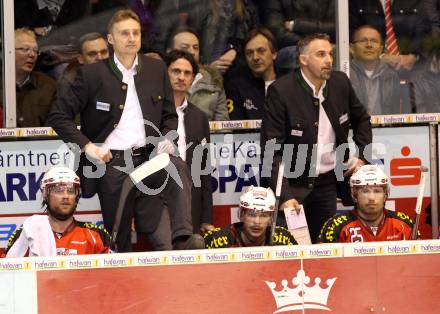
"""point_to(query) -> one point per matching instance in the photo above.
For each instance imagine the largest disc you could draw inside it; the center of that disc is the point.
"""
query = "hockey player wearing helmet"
(369, 220)
(257, 206)
(58, 233)
(60, 188)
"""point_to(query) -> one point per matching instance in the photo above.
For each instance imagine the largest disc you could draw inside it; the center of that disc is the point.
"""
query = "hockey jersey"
(230, 236)
(347, 227)
(79, 238)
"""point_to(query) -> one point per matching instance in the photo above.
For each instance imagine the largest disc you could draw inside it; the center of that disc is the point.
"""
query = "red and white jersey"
(347, 227)
(79, 238)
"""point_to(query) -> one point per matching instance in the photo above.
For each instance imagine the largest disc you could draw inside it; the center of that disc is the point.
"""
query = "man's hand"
(391, 60)
(101, 154)
(354, 165)
(225, 61)
(405, 62)
(204, 227)
(292, 203)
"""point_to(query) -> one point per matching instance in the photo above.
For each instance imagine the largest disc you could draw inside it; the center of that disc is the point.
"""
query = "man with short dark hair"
(126, 105)
(309, 113)
(246, 92)
(206, 92)
(92, 48)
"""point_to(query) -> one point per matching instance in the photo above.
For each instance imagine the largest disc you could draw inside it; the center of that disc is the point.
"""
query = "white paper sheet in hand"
(297, 225)
(295, 220)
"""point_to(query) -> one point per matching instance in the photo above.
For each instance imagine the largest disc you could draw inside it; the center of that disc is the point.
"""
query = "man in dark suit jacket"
(125, 102)
(194, 137)
(309, 112)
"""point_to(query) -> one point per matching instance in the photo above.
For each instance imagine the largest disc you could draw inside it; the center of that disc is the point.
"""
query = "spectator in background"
(426, 85)
(408, 25)
(291, 20)
(226, 24)
(158, 19)
(246, 92)
(207, 91)
(35, 91)
(193, 130)
(92, 48)
(433, 12)
(376, 84)
(43, 15)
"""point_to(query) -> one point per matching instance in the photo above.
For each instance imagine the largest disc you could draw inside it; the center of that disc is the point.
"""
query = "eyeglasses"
(366, 41)
(27, 50)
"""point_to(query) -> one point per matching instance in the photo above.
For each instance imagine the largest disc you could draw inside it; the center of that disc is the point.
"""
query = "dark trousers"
(320, 204)
(178, 199)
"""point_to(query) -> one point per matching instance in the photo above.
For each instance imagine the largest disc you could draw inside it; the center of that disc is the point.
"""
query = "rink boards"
(391, 277)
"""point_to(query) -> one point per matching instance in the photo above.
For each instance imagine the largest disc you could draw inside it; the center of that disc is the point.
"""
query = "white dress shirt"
(130, 131)
(181, 142)
(383, 4)
(326, 153)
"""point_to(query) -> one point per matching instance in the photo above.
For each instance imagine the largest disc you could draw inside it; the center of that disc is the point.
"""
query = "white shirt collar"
(311, 84)
(122, 68)
(183, 106)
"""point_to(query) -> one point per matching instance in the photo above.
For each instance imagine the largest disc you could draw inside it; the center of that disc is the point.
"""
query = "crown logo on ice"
(301, 296)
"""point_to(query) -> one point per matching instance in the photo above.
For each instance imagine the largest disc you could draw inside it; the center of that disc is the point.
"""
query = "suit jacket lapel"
(189, 129)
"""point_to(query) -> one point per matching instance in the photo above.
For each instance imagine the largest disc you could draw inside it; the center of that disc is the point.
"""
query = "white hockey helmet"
(258, 198)
(369, 175)
(57, 175)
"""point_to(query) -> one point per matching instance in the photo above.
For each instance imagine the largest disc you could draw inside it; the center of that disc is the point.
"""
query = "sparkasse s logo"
(405, 171)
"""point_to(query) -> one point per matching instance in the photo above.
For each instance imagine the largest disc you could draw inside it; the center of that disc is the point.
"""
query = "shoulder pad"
(282, 236)
(331, 229)
(92, 226)
(401, 216)
(218, 238)
(14, 236)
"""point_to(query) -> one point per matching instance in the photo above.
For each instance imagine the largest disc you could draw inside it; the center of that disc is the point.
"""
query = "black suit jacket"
(102, 82)
(291, 116)
(197, 132)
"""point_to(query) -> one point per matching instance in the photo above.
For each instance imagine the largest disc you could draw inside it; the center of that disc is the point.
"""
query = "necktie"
(390, 39)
